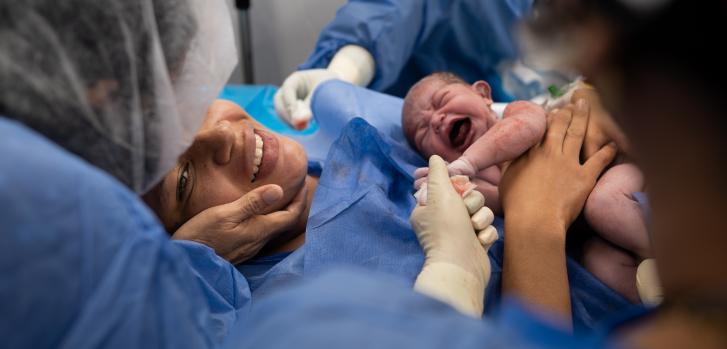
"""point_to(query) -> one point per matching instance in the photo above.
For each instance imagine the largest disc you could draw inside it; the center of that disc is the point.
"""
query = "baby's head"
(444, 115)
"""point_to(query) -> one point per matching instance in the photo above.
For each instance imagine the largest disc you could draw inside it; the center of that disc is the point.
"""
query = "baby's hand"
(420, 177)
(461, 185)
(459, 167)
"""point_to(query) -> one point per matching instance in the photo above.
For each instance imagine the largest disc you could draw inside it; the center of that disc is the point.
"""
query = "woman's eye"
(182, 182)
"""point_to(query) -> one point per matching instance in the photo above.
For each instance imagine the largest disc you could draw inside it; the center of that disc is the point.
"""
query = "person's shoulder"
(29, 157)
(40, 181)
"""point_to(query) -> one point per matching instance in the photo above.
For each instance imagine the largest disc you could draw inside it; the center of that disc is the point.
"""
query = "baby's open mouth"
(458, 133)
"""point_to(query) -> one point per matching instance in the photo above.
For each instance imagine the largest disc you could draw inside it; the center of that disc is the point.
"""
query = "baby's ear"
(483, 89)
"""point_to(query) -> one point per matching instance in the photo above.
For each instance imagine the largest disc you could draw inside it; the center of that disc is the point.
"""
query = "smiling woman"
(231, 155)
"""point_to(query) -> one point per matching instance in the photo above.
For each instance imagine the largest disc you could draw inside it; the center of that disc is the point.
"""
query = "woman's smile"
(265, 154)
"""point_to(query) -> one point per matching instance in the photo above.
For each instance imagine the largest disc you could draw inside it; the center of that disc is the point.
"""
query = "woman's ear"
(483, 89)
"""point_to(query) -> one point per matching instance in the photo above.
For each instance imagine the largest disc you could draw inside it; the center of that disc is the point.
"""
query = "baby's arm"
(522, 126)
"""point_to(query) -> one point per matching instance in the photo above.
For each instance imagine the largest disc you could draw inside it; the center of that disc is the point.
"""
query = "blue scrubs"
(85, 264)
(355, 308)
(410, 39)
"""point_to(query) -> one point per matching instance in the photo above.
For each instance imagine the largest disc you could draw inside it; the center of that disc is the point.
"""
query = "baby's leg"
(615, 214)
(613, 266)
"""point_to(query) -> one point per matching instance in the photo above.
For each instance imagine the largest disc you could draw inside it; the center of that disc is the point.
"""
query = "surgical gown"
(410, 39)
(355, 308)
(85, 264)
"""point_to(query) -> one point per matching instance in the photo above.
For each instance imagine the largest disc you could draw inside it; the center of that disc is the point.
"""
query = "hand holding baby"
(602, 129)
(548, 185)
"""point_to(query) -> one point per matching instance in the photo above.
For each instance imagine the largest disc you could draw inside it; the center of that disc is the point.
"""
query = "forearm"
(534, 267)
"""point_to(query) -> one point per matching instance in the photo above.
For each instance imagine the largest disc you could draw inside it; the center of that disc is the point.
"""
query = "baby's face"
(446, 118)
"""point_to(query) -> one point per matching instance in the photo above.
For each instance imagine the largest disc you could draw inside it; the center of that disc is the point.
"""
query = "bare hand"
(237, 230)
(602, 129)
(548, 184)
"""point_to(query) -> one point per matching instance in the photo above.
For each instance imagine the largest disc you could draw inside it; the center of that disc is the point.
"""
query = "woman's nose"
(217, 141)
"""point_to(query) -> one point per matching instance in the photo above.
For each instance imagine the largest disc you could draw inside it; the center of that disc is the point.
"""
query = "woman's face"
(231, 155)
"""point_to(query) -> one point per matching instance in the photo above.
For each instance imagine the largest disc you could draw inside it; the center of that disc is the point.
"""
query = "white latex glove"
(292, 101)
(481, 217)
(456, 268)
(648, 284)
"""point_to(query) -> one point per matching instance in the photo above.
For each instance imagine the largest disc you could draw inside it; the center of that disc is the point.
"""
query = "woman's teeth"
(258, 156)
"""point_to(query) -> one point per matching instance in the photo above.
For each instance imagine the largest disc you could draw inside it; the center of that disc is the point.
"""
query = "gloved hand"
(456, 268)
(238, 230)
(292, 101)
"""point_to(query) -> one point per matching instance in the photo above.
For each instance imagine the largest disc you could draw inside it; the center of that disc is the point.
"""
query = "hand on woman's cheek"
(237, 231)
(548, 185)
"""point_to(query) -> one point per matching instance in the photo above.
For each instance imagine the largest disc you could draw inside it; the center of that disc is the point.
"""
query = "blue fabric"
(335, 103)
(360, 217)
(85, 264)
(268, 273)
(353, 308)
(643, 201)
(619, 321)
(410, 39)
(257, 100)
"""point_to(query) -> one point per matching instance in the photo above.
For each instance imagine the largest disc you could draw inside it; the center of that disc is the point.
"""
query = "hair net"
(124, 84)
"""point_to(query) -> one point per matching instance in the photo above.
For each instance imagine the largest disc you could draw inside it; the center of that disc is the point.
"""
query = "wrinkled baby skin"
(445, 116)
(442, 116)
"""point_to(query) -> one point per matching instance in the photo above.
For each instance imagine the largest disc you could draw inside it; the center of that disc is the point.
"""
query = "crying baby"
(446, 116)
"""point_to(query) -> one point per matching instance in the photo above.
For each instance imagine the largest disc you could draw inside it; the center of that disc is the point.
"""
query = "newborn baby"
(444, 115)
